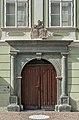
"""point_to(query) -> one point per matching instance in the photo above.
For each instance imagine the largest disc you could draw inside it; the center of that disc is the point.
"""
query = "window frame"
(16, 26)
(73, 14)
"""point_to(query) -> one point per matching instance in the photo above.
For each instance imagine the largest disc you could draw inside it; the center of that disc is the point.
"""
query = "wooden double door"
(39, 87)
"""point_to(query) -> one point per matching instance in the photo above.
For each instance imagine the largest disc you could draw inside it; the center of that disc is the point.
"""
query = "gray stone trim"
(59, 88)
(54, 51)
(18, 78)
(13, 55)
(64, 74)
(38, 56)
(13, 108)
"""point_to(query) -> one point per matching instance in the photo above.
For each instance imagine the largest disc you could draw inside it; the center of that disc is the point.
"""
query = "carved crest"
(38, 31)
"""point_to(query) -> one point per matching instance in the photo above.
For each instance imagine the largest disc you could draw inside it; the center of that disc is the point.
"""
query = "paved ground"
(52, 115)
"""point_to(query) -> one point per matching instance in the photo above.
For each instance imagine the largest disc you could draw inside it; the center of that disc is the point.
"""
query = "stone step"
(39, 115)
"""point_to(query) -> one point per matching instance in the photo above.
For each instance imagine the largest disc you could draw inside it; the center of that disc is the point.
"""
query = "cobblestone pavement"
(52, 115)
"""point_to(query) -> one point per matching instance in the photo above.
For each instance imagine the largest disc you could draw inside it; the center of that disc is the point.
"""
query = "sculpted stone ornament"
(38, 31)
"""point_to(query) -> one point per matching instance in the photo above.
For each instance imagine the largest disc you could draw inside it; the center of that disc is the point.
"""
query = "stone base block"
(21, 107)
(56, 108)
(64, 108)
(64, 100)
(13, 100)
(13, 107)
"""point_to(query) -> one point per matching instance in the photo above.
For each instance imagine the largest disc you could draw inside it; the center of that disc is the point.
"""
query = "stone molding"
(13, 53)
(38, 56)
(59, 78)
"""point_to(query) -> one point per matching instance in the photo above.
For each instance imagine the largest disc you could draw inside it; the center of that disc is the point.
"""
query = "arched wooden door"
(39, 86)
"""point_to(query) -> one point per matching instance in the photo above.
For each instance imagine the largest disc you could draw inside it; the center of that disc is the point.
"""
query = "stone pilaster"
(13, 55)
(64, 106)
(37, 5)
(59, 80)
(13, 100)
(64, 74)
(59, 90)
(19, 91)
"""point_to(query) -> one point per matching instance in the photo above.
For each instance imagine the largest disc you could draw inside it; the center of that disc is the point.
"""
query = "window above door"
(16, 13)
(61, 13)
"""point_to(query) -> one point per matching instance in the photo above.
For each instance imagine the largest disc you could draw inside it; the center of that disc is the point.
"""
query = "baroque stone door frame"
(38, 49)
(61, 76)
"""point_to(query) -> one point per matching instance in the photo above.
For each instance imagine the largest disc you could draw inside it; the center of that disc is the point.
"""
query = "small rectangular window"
(55, 14)
(21, 13)
(66, 13)
(10, 13)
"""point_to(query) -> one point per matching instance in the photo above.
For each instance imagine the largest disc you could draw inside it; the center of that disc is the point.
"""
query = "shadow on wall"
(69, 78)
(75, 105)
(73, 102)
(0, 33)
(73, 77)
(4, 85)
(5, 90)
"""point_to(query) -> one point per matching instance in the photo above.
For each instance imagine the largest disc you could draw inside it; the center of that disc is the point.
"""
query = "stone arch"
(24, 63)
(56, 64)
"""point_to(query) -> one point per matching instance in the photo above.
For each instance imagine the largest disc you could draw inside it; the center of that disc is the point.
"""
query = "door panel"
(39, 86)
(30, 87)
(48, 77)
